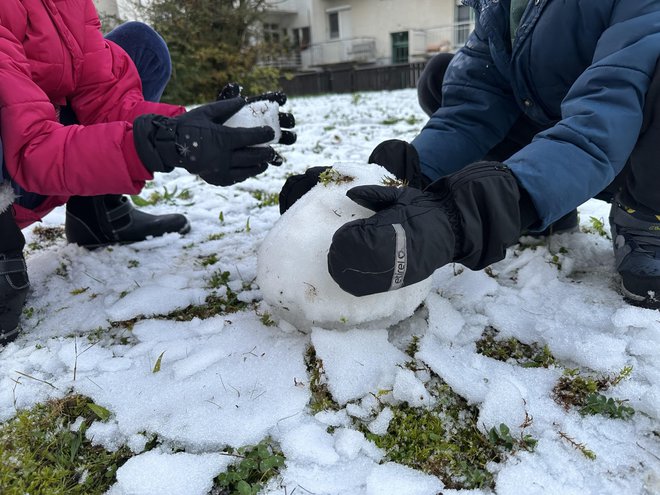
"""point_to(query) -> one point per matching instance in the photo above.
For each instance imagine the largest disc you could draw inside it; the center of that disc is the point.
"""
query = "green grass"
(512, 350)
(256, 465)
(575, 389)
(39, 454)
(266, 198)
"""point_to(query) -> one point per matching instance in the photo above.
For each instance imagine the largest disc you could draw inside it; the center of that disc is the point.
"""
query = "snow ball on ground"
(395, 479)
(293, 268)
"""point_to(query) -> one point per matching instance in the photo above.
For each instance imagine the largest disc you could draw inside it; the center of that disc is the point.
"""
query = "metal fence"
(351, 80)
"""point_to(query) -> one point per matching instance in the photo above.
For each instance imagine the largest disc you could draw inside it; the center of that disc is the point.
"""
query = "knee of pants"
(150, 54)
(429, 86)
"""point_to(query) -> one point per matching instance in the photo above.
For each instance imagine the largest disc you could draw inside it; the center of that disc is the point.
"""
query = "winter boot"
(14, 283)
(94, 221)
(636, 238)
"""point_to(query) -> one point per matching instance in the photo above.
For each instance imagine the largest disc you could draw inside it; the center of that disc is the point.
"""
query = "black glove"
(397, 157)
(471, 217)
(287, 121)
(401, 160)
(198, 142)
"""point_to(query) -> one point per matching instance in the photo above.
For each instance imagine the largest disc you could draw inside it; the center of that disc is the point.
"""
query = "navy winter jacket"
(581, 68)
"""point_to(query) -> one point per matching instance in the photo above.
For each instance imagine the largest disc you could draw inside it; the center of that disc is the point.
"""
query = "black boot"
(14, 283)
(93, 221)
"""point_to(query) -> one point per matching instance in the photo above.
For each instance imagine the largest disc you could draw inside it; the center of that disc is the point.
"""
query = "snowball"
(292, 262)
(258, 114)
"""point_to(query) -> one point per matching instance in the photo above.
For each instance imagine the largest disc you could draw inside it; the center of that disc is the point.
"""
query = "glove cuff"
(149, 133)
(483, 207)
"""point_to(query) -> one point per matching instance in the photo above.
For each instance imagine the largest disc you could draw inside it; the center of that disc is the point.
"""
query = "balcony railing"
(290, 60)
(362, 50)
(448, 38)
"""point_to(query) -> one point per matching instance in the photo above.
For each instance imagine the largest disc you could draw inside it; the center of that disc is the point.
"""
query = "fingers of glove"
(297, 186)
(287, 120)
(227, 178)
(362, 258)
(375, 198)
(240, 174)
(251, 157)
(288, 137)
(231, 90)
(274, 96)
(217, 111)
(242, 137)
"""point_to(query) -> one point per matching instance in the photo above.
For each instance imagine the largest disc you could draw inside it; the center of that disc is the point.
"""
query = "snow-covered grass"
(187, 365)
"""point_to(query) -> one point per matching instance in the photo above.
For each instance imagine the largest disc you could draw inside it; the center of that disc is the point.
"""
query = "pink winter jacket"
(52, 53)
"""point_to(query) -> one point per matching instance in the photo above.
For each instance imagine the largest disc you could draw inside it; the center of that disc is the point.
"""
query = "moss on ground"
(526, 355)
(40, 454)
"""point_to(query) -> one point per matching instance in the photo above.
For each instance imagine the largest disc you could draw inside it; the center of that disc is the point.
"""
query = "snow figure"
(257, 114)
(292, 260)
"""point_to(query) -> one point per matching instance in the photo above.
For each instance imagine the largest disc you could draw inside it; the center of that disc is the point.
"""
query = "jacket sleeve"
(47, 158)
(601, 116)
(109, 88)
(477, 111)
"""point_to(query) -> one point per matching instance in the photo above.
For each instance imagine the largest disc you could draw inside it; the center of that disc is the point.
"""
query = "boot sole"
(639, 301)
(7, 337)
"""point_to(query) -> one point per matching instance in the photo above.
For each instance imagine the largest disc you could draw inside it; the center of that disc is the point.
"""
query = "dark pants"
(151, 57)
(639, 181)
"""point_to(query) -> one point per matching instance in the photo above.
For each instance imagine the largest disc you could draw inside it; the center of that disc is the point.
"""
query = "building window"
(271, 32)
(333, 25)
(463, 17)
(400, 47)
(301, 37)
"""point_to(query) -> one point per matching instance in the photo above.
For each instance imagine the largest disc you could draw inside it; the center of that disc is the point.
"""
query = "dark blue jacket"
(580, 67)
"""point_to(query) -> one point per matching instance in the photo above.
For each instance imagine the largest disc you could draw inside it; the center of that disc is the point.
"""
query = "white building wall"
(107, 7)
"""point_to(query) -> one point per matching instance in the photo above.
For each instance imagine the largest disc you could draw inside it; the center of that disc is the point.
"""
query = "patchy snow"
(95, 325)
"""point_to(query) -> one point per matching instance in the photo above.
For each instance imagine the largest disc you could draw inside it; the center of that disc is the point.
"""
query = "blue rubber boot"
(636, 239)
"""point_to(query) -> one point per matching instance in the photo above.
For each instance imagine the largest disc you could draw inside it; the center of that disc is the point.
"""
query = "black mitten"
(199, 142)
(296, 186)
(471, 217)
